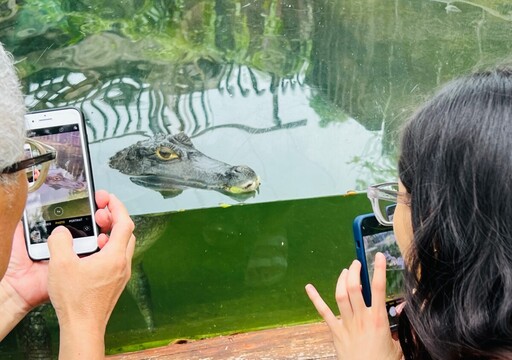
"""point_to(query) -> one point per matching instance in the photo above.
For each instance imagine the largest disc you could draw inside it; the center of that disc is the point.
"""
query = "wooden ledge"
(300, 342)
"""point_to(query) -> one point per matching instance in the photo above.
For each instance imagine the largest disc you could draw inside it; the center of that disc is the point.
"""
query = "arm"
(361, 332)
(85, 290)
(11, 309)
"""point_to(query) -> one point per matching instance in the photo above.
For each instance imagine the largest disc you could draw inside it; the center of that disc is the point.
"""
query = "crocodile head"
(170, 163)
(58, 178)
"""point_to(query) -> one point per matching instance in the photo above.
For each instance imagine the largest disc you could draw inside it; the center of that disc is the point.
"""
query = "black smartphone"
(65, 194)
(372, 237)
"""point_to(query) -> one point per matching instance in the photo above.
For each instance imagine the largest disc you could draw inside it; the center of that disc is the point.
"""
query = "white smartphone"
(66, 197)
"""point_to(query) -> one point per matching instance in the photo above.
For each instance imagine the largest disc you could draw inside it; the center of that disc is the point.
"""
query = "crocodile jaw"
(249, 186)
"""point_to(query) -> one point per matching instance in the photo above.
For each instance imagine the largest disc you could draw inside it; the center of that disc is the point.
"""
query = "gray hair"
(12, 111)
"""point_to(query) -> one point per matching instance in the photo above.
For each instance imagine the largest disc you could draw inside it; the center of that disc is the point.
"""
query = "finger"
(104, 220)
(117, 210)
(131, 248)
(102, 240)
(60, 244)
(129, 254)
(400, 308)
(102, 198)
(342, 297)
(122, 225)
(320, 305)
(354, 287)
(379, 282)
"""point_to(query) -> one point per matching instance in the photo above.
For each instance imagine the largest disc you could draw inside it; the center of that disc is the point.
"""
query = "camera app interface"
(385, 243)
(63, 198)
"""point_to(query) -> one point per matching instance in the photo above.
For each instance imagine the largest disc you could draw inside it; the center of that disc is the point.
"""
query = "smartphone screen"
(66, 198)
(372, 237)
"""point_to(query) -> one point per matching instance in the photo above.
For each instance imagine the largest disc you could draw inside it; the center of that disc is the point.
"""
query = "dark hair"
(456, 163)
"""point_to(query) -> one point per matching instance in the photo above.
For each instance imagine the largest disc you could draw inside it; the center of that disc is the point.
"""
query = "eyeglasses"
(36, 163)
(383, 198)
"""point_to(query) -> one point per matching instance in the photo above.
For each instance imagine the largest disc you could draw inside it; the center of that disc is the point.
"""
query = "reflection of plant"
(377, 170)
(394, 282)
(174, 31)
(502, 11)
(392, 249)
(327, 111)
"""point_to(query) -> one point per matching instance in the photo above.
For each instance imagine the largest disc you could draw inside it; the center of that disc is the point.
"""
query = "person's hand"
(104, 217)
(28, 279)
(361, 332)
(85, 290)
(24, 285)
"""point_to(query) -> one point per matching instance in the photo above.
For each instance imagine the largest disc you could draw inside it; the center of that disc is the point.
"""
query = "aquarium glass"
(241, 135)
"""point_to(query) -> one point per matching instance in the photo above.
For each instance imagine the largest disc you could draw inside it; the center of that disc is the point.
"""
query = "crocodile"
(170, 163)
(59, 178)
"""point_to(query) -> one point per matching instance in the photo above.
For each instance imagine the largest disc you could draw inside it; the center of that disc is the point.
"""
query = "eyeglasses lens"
(35, 174)
(387, 202)
(30, 151)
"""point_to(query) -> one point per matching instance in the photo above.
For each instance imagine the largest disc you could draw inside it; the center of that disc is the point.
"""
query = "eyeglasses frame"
(47, 152)
(378, 192)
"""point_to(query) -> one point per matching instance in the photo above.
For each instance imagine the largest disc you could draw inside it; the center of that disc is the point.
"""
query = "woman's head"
(456, 164)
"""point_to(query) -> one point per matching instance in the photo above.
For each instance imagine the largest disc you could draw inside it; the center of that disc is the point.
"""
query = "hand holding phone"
(97, 280)
(371, 237)
(64, 194)
(360, 332)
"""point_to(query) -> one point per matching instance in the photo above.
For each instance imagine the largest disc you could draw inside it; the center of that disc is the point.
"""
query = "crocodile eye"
(165, 153)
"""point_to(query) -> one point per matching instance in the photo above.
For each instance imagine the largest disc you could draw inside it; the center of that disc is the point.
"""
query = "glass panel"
(297, 101)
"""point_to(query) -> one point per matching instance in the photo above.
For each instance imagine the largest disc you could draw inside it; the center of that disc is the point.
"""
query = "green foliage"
(327, 111)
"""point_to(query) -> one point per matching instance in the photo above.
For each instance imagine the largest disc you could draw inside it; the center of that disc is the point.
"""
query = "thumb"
(60, 243)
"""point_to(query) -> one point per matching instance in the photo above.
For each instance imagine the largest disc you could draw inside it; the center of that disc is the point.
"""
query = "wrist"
(82, 340)
(13, 308)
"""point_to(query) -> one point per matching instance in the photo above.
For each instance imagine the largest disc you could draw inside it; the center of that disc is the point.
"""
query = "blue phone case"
(367, 225)
(361, 256)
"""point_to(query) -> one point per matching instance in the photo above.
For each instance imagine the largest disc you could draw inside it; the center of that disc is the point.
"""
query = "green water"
(309, 93)
(77, 207)
(229, 270)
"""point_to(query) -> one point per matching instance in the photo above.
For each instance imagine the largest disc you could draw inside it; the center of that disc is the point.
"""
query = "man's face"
(12, 202)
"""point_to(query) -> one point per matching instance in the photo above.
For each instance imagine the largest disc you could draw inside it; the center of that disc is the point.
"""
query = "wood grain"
(300, 342)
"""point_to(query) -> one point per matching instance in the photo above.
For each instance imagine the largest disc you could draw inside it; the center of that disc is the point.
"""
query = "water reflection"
(125, 110)
(234, 85)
